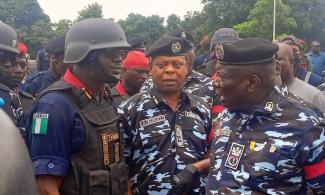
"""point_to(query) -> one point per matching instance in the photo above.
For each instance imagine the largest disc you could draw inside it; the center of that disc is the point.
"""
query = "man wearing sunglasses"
(14, 102)
(73, 140)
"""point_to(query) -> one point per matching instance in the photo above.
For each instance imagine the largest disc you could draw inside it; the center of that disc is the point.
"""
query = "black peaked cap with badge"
(169, 46)
(249, 51)
(55, 45)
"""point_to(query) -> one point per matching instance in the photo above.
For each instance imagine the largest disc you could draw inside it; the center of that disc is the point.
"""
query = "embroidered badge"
(152, 120)
(179, 136)
(222, 132)
(234, 156)
(272, 149)
(269, 106)
(39, 123)
(191, 115)
(111, 147)
(219, 51)
(176, 47)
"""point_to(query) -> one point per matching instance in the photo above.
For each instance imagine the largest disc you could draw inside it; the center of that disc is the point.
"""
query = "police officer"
(37, 82)
(134, 73)
(165, 127)
(74, 141)
(264, 143)
(16, 169)
(14, 102)
(137, 44)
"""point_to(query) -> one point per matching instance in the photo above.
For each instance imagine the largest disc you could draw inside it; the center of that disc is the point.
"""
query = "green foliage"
(260, 20)
(91, 11)
(149, 28)
(173, 23)
(61, 27)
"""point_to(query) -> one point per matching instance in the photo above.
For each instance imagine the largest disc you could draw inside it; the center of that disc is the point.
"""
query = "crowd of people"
(107, 115)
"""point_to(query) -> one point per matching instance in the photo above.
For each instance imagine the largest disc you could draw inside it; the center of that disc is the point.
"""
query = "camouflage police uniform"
(277, 148)
(160, 142)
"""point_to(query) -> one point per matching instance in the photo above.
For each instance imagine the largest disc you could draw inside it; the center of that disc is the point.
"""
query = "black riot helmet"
(92, 34)
(8, 38)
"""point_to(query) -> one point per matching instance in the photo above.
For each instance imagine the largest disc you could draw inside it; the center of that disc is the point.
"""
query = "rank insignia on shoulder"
(234, 156)
(269, 106)
(272, 149)
(39, 123)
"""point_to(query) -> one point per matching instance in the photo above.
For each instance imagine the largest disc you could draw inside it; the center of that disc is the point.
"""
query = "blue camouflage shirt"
(278, 149)
(160, 142)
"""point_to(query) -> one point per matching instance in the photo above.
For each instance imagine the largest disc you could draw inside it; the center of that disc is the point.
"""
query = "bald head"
(285, 61)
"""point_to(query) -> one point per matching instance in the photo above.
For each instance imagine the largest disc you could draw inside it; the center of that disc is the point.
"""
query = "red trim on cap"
(315, 170)
(217, 109)
(120, 89)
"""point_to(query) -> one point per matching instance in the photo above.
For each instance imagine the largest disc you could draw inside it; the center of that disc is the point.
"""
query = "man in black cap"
(165, 127)
(221, 36)
(137, 44)
(264, 143)
(14, 102)
(38, 82)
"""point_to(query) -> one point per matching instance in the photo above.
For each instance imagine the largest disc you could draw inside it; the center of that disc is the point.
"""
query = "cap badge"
(14, 43)
(183, 35)
(219, 51)
(176, 47)
(269, 106)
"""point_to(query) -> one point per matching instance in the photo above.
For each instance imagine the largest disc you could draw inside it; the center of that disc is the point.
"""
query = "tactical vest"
(99, 168)
(17, 106)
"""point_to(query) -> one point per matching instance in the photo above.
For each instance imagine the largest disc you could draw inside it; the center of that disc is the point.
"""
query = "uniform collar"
(71, 79)
(120, 89)
(157, 98)
(270, 103)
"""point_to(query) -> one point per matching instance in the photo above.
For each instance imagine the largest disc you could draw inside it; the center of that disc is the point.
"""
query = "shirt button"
(51, 165)
(36, 164)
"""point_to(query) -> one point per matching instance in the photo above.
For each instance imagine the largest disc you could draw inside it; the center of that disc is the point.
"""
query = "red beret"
(21, 48)
(135, 59)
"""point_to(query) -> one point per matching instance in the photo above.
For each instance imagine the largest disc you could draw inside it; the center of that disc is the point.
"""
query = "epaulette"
(34, 75)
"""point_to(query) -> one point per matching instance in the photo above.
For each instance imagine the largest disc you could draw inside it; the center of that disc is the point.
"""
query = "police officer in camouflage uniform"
(74, 141)
(166, 127)
(14, 102)
(264, 143)
(41, 80)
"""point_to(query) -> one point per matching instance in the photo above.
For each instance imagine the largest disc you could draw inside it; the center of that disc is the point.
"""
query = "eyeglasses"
(6, 56)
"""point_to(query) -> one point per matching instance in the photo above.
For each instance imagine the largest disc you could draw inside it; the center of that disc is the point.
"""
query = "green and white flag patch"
(39, 124)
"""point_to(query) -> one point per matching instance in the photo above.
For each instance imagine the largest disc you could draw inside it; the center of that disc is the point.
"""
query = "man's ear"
(277, 68)
(253, 83)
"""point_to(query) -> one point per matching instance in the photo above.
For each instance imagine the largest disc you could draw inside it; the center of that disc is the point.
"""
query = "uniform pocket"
(99, 182)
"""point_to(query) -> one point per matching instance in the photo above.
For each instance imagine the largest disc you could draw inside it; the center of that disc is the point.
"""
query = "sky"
(119, 9)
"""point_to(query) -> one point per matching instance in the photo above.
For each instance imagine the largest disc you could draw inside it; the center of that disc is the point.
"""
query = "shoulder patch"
(39, 124)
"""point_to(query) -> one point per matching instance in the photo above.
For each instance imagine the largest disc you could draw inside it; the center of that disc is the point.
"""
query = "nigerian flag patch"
(39, 124)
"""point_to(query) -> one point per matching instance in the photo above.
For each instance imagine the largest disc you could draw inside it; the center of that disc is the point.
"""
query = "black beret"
(181, 34)
(169, 46)
(247, 51)
(55, 45)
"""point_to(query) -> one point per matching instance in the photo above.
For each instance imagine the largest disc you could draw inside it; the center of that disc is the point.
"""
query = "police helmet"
(92, 34)
(8, 38)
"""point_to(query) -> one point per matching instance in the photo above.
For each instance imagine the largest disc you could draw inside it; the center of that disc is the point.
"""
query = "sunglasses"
(6, 56)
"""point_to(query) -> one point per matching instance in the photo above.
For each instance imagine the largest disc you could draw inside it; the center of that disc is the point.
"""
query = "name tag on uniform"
(222, 132)
(234, 156)
(191, 115)
(179, 136)
(111, 147)
(152, 120)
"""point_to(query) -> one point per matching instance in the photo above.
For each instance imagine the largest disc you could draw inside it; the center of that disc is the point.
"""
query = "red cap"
(135, 59)
(22, 49)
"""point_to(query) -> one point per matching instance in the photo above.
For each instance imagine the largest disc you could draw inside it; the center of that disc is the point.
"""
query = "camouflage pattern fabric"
(160, 142)
(278, 149)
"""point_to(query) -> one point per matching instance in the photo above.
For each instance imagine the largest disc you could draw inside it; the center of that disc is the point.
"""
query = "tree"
(61, 27)
(91, 11)
(225, 13)
(149, 28)
(173, 23)
(260, 20)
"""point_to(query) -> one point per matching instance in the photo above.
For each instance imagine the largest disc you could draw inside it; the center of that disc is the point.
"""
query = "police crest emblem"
(176, 47)
(219, 51)
(269, 106)
(234, 156)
